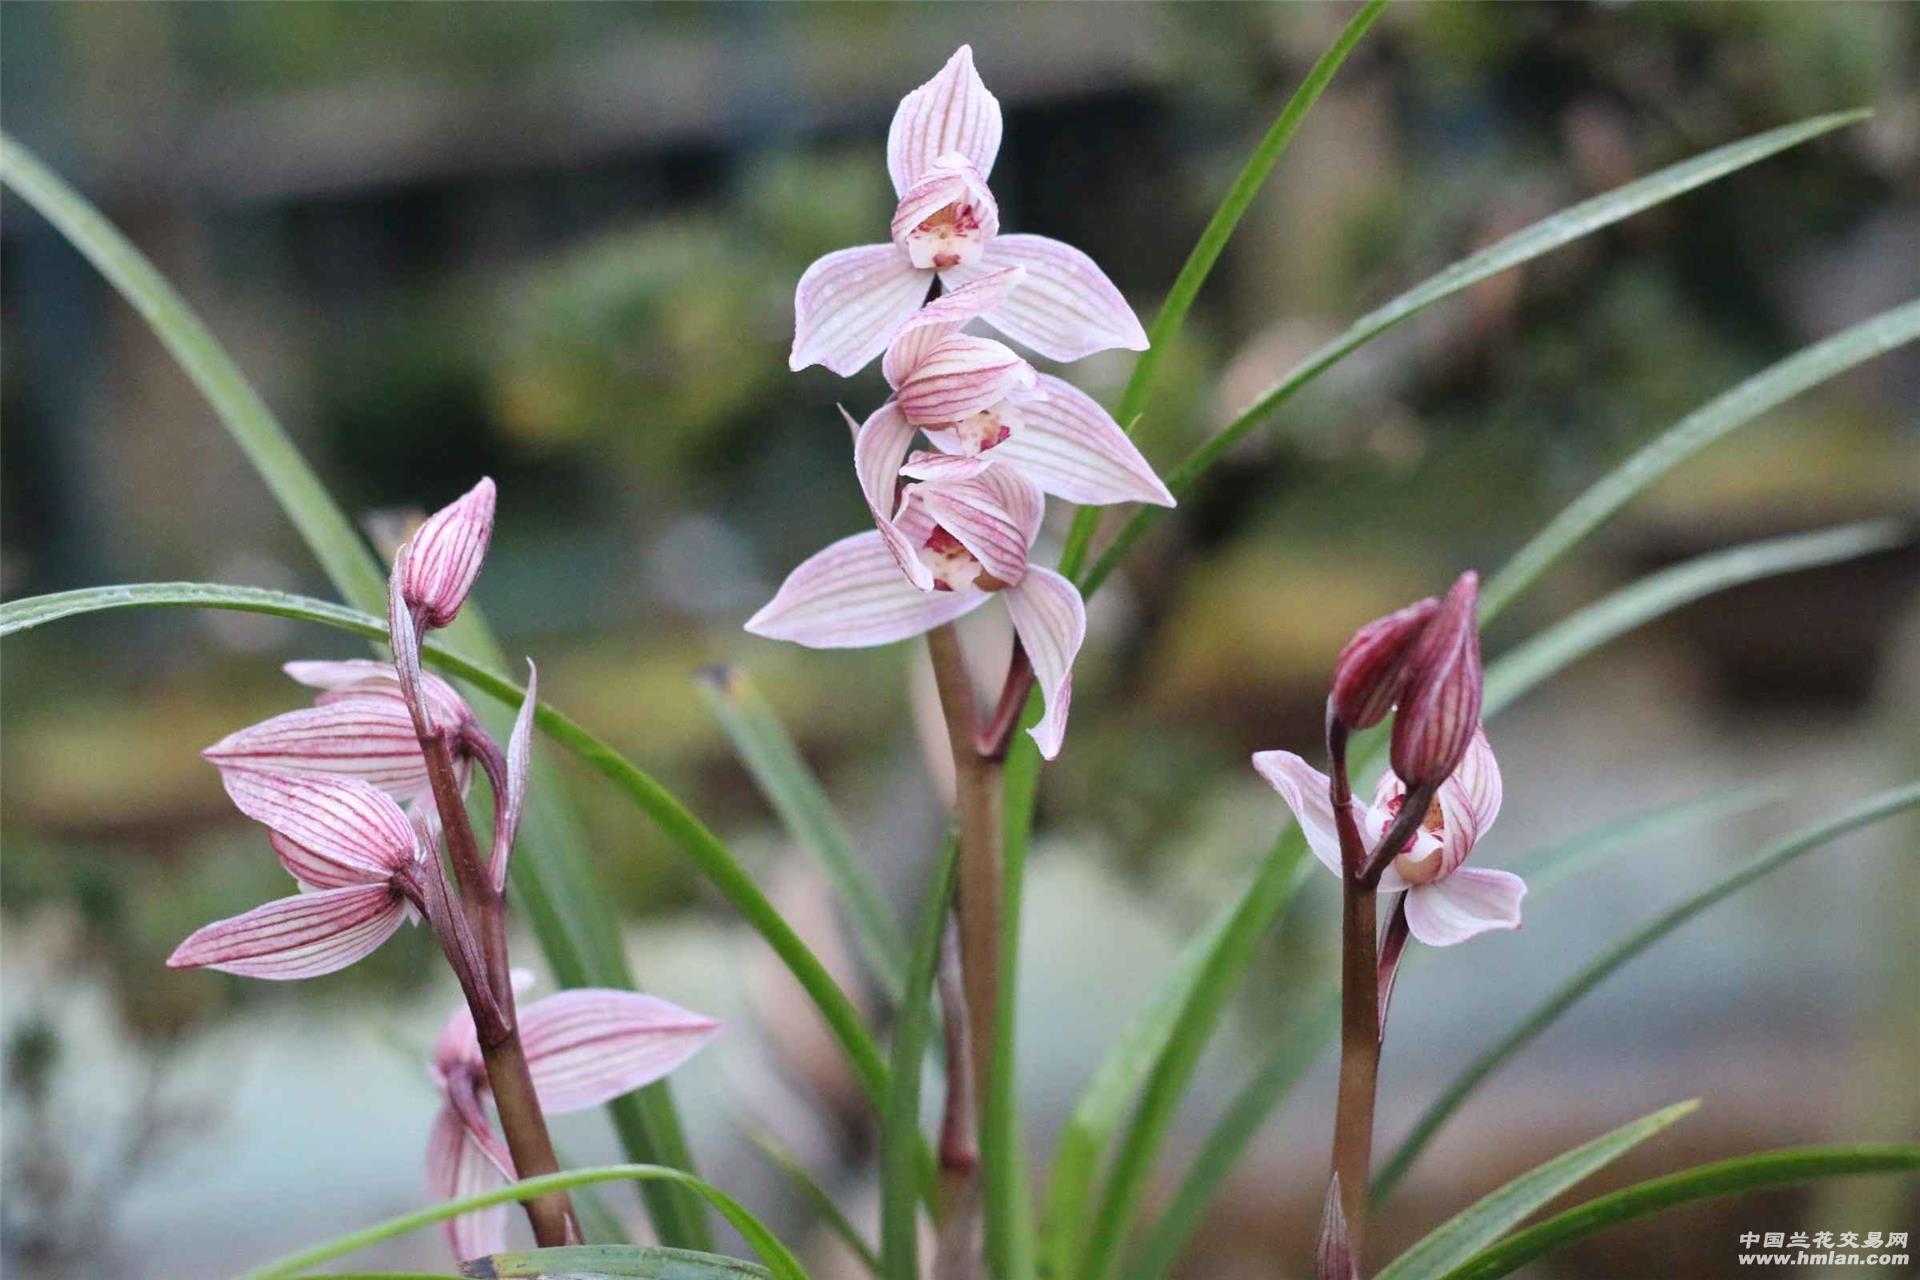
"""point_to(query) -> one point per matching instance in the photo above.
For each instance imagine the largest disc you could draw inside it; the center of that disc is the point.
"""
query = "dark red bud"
(1440, 704)
(1372, 668)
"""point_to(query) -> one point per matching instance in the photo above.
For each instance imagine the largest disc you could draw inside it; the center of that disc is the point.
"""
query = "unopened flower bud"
(1440, 704)
(444, 556)
(1372, 669)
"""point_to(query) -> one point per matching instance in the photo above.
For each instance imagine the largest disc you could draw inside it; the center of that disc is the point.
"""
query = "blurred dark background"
(557, 245)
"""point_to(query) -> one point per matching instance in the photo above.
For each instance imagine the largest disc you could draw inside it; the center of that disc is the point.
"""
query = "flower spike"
(446, 554)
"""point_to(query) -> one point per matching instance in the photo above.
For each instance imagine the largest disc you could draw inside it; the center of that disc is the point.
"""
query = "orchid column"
(955, 523)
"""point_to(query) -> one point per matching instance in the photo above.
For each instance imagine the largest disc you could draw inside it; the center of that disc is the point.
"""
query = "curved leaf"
(780, 1263)
(700, 844)
(1523, 246)
(1487, 1219)
(1767, 1169)
(612, 1262)
(1711, 422)
(900, 1139)
(808, 814)
(1598, 970)
(1527, 665)
(553, 874)
(819, 1198)
(1280, 877)
(1212, 242)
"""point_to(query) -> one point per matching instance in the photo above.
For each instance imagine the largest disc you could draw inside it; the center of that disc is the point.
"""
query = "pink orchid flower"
(940, 150)
(940, 549)
(359, 727)
(445, 554)
(980, 405)
(584, 1047)
(356, 858)
(1446, 902)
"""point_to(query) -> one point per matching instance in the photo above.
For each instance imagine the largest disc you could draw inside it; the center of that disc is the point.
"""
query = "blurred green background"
(557, 245)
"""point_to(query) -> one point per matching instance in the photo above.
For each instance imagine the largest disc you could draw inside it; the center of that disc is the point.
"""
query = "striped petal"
(370, 737)
(303, 936)
(975, 512)
(1073, 449)
(959, 376)
(1463, 905)
(343, 820)
(446, 554)
(588, 1045)
(1304, 788)
(457, 1168)
(852, 595)
(924, 464)
(849, 304)
(951, 112)
(1051, 621)
(944, 316)
(879, 446)
(1065, 309)
(365, 678)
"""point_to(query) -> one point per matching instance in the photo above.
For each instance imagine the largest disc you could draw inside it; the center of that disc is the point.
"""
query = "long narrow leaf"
(780, 1263)
(612, 1262)
(1603, 966)
(1765, 1170)
(1207, 250)
(725, 874)
(1280, 877)
(900, 1138)
(818, 1198)
(1103, 1103)
(1523, 246)
(1489, 1218)
(1312, 1031)
(1526, 666)
(552, 877)
(808, 815)
(1706, 425)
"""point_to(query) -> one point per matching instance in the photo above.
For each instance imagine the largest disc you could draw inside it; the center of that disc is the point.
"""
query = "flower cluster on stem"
(360, 794)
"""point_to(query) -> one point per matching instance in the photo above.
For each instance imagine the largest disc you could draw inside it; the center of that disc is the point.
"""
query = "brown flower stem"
(977, 799)
(527, 1138)
(1359, 1004)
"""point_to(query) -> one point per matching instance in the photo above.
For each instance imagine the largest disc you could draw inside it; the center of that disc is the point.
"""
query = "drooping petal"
(879, 446)
(1073, 449)
(849, 304)
(959, 376)
(1051, 621)
(519, 769)
(446, 555)
(314, 870)
(951, 112)
(974, 511)
(343, 820)
(370, 737)
(1304, 788)
(1470, 901)
(457, 1168)
(1065, 309)
(946, 315)
(589, 1045)
(363, 677)
(303, 936)
(852, 595)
